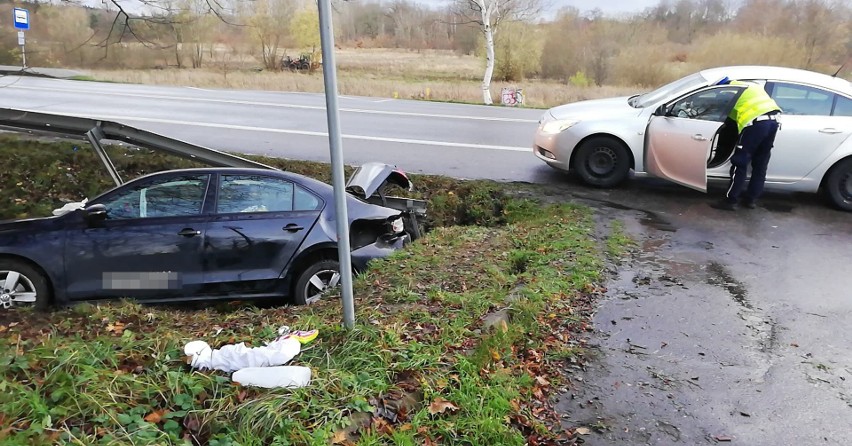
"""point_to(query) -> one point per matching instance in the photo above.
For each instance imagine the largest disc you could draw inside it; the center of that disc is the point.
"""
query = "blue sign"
(22, 18)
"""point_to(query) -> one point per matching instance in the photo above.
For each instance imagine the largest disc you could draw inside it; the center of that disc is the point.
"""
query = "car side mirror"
(95, 214)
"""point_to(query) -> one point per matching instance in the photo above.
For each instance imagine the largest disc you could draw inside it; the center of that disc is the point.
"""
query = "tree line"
(580, 47)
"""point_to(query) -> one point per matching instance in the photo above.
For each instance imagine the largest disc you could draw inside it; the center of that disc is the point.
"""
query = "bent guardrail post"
(94, 136)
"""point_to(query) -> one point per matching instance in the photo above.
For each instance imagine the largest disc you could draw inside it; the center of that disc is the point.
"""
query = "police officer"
(755, 115)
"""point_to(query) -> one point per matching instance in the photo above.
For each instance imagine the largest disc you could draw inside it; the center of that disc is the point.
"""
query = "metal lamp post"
(329, 74)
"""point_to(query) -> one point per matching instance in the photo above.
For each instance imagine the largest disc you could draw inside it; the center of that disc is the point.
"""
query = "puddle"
(656, 222)
(720, 277)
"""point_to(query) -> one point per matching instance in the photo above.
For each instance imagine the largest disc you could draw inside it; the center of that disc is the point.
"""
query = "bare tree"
(488, 15)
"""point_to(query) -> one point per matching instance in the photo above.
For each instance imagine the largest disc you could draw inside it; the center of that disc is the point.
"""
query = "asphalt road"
(465, 141)
(726, 327)
(731, 328)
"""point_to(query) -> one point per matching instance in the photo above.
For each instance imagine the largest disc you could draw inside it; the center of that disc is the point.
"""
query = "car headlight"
(557, 125)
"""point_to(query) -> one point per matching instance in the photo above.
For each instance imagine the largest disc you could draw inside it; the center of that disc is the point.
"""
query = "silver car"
(679, 132)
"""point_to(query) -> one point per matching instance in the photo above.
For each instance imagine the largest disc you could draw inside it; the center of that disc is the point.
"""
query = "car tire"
(28, 280)
(308, 289)
(602, 162)
(838, 185)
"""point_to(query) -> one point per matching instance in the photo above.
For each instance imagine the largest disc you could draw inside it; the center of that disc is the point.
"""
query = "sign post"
(329, 73)
(22, 23)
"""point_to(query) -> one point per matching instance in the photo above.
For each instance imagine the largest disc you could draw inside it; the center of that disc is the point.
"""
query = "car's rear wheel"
(22, 285)
(602, 162)
(838, 185)
(315, 282)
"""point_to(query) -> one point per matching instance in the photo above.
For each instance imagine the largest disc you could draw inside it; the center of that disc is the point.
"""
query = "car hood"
(370, 177)
(595, 109)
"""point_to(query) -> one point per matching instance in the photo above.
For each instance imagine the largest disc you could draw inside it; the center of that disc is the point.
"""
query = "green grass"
(93, 374)
(618, 243)
(85, 78)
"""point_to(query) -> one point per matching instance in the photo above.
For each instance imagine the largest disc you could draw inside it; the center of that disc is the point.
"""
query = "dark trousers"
(755, 148)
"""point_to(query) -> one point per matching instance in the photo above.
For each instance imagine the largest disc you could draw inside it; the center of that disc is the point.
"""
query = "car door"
(259, 223)
(813, 126)
(149, 245)
(681, 135)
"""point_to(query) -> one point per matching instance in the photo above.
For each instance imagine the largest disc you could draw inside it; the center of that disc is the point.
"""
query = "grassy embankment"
(421, 366)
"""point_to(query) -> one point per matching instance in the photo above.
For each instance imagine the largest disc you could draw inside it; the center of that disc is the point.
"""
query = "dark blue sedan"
(211, 233)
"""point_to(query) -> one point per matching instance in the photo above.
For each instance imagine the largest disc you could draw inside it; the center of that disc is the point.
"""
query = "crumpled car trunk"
(368, 183)
(369, 178)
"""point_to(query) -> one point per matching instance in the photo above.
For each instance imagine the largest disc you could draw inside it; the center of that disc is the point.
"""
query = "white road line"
(300, 132)
(270, 104)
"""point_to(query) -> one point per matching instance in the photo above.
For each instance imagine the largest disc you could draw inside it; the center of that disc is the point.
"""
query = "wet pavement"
(732, 328)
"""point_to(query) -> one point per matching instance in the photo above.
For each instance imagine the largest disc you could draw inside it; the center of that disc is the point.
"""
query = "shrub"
(579, 80)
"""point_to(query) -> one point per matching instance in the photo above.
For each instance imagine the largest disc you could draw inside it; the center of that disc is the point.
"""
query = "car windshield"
(650, 98)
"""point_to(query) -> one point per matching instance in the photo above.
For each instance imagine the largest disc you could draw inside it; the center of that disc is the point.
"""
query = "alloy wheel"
(322, 281)
(15, 289)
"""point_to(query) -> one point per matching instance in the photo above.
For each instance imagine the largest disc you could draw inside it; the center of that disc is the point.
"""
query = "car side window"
(843, 106)
(707, 105)
(802, 100)
(169, 197)
(305, 201)
(254, 193)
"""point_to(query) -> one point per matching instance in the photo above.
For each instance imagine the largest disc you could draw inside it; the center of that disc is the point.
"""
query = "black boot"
(725, 205)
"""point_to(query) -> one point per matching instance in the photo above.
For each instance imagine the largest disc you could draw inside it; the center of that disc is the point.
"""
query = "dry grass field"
(431, 74)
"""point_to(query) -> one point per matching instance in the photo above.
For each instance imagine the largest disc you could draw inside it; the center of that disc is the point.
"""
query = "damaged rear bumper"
(383, 247)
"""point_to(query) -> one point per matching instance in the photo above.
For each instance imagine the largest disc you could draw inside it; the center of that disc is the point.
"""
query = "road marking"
(269, 104)
(299, 132)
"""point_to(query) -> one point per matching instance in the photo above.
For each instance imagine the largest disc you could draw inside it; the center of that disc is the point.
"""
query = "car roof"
(313, 184)
(780, 74)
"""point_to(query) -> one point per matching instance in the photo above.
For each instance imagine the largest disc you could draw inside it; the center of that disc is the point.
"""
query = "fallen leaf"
(116, 328)
(495, 355)
(155, 416)
(440, 405)
(541, 381)
(583, 431)
(339, 437)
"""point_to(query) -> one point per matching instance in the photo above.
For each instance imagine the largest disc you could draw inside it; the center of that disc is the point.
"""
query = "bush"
(579, 80)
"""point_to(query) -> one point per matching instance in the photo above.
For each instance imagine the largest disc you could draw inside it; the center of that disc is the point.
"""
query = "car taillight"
(397, 225)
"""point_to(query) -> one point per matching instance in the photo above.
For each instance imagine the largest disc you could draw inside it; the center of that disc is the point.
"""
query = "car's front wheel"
(602, 161)
(838, 185)
(22, 285)
(316, 281)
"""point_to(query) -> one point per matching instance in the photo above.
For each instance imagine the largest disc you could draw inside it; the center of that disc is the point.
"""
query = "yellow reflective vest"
(752, 103)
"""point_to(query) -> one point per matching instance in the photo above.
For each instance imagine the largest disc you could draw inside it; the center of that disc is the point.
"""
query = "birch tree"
(488, 15)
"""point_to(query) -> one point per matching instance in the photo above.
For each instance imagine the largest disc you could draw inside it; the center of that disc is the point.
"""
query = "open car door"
(682, 135)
